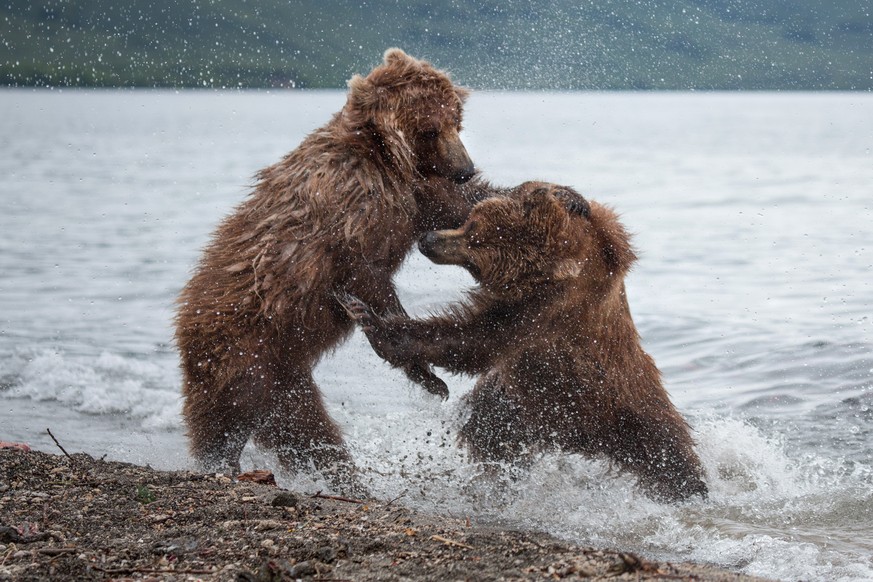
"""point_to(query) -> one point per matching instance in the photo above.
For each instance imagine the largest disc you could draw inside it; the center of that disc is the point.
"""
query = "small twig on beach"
(402, 494)
(336, 498)
(56, 551)
(449, 542)
(59, 444)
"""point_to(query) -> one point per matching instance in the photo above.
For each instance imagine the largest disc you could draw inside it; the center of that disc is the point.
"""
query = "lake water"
(753, 214)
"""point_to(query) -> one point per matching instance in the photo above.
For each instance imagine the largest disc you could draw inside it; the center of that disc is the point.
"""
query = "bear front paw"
(358, 311)
(422, 375)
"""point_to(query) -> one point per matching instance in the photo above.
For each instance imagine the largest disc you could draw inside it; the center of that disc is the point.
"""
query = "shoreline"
(79, 518)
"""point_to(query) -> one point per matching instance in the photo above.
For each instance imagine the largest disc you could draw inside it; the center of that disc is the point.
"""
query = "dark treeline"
(500, 44)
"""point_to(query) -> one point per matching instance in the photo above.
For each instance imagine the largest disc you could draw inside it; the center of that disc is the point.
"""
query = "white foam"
(104, 384)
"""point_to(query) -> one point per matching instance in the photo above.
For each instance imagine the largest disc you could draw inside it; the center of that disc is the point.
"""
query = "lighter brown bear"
(550, 334)
(336, 215)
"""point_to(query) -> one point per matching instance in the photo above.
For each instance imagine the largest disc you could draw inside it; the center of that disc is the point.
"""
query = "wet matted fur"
(336, 215)
(550, 334)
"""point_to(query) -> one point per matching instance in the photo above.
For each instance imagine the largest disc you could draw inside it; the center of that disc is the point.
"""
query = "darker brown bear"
(551, 336)
(336, 215)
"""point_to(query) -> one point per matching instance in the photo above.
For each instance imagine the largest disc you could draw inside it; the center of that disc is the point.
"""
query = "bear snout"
(443, 247)
(465, 174)
(427, 242)
(457, 163)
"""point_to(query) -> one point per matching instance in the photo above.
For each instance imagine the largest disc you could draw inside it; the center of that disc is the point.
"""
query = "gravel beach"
(79, 518)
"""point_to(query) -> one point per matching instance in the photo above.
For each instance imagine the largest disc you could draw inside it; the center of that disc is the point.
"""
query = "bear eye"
(430, 134)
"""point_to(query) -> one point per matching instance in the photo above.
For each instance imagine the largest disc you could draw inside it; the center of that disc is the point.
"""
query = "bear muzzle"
(457, 164)
(465, 174)
(443, 247)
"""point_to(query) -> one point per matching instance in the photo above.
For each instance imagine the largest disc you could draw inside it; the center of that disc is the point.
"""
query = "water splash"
(768, 513)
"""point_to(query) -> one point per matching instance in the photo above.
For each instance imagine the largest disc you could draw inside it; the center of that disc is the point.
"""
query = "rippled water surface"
(753, 214)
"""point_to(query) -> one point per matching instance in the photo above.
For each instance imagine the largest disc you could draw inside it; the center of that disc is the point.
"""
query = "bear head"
(514, 245)
(413, 112)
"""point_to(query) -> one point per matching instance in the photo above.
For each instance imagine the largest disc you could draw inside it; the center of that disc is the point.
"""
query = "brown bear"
(336, 215)
(550, 334)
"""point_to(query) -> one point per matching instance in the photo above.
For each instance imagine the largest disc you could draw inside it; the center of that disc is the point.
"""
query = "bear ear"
(543, 209)
(613, 239)
(618, 252)
(463, 93)
(394, 56)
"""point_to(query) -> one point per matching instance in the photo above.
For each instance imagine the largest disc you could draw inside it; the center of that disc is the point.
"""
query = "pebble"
(9, 534)
(284, 499)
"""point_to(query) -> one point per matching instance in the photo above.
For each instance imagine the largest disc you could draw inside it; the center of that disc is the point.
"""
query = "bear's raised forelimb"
(467, 345)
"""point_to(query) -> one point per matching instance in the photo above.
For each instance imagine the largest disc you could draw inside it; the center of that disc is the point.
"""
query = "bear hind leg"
(298, 429)
(660, 452)
(217, 434)
(495, 432)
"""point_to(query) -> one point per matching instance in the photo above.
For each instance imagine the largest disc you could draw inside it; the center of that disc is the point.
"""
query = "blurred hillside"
(503, 44)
